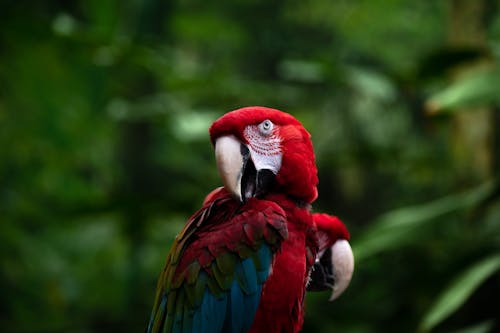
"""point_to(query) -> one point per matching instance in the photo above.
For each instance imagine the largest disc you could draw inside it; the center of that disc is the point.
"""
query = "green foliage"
(479, 88)
(398, 227)
(104, 151)
(457, 292)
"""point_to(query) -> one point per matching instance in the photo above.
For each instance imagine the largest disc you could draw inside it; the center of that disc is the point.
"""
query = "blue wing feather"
(211, 314)
(242, 310)
(246, 275)
(264, 256)
(234, 320)
(235, 310)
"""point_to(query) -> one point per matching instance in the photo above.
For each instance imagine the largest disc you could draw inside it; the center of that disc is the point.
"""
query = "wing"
(215, 270)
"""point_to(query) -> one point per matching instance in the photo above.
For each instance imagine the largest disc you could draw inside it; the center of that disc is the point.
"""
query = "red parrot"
(244, 261)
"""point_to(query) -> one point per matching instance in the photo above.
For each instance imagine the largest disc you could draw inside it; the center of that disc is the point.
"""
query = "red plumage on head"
(298, 174)
(330, 229)
(234, 122)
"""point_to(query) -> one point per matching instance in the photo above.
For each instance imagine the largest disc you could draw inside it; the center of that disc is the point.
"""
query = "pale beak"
(238, 171)
(230, 162)
(343, 267)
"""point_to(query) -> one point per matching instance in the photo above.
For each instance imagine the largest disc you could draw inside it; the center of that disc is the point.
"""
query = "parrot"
(245, 260)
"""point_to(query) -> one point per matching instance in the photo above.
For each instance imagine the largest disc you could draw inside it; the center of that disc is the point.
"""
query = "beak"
(343, 267)
(333, 270)
(237, 170)
(230, 162)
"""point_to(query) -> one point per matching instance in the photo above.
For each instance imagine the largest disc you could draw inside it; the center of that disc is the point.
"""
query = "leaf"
(482, 327)
(459, 291)
(479, 88)
(395, 228)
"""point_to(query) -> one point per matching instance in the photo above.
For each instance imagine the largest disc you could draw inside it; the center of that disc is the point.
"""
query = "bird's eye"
(266, 127)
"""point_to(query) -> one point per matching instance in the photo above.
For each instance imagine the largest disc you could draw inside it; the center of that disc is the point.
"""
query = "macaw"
(244, 261)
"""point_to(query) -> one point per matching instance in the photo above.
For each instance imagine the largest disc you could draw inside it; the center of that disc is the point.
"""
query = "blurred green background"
(104, 150)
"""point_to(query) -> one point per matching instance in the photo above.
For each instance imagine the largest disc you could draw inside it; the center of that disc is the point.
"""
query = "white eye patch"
(264, 145)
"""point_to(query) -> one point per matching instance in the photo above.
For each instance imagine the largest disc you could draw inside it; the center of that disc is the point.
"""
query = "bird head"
(335, 261)
(259, 150)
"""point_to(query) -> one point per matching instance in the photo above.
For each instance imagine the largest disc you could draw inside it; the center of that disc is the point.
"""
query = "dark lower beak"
(322, 277)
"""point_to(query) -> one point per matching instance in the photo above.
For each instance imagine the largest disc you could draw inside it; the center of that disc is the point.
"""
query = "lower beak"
(238, 172)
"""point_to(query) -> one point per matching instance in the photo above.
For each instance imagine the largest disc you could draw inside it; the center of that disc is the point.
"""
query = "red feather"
(330, 228)
(228, 229)
(281, 305)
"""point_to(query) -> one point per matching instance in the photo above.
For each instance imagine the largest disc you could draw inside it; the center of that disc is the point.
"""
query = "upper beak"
(343, 267)
(237, 170)
(230, 162)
